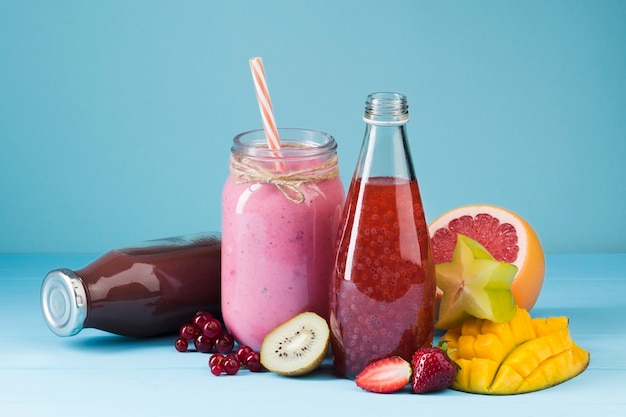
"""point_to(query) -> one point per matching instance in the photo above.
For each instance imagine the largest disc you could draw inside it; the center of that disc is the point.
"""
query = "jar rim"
(295, 143)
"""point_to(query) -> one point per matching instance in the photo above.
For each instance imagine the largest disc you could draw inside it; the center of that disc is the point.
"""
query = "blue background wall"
(116, 117)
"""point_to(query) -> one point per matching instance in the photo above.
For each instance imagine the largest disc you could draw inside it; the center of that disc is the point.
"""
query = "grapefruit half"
(506, 235)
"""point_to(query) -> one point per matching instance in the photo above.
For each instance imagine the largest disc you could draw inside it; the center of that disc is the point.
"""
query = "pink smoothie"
(276, 254)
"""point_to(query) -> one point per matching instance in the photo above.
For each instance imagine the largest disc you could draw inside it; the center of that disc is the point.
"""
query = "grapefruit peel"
(505, 234)
(474, 285)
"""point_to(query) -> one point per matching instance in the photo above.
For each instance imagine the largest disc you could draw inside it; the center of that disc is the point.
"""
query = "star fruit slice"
(474, 284)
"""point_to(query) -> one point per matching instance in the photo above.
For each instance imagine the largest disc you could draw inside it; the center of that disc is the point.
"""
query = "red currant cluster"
(208, 335)
(230, 363)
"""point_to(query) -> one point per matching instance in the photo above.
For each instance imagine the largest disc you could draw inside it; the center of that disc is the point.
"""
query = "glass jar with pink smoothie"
(280, 213)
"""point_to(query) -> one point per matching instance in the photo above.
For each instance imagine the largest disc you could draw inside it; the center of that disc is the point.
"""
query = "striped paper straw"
(265, 104)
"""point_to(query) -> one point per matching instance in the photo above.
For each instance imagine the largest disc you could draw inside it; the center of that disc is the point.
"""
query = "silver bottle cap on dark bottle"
(63, 302)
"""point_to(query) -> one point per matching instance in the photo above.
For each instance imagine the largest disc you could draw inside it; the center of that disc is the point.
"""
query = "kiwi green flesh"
(297, 346)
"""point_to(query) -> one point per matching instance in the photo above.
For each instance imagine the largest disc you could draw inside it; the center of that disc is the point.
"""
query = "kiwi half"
(297, 346)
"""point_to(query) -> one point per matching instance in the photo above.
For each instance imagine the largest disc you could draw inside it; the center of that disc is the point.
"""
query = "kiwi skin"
(303, 353)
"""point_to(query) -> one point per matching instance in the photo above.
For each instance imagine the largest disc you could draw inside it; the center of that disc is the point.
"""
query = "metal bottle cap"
(63, 302)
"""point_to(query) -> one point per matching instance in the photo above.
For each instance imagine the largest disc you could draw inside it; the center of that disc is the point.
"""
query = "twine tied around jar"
(245, 170)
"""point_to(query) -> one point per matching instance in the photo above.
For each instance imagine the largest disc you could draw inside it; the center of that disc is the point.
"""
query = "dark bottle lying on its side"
(144, 290)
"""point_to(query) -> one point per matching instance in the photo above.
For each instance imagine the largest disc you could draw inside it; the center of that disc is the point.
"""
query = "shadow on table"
(112, 342)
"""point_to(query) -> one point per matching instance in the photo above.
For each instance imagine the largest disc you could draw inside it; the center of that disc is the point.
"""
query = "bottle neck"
(385, 151)
(386, 109)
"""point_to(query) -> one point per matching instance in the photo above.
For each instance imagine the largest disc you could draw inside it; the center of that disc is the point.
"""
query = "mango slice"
(521, 355)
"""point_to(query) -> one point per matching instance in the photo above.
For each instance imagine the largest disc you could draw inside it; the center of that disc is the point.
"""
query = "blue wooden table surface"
(99, 374)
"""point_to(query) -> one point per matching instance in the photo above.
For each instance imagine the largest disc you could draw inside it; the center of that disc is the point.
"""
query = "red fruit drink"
(383, 286)
(278, 231)
(142, 290)
(382, 303)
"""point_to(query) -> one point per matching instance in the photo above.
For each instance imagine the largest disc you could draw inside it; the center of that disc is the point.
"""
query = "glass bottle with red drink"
(383, 291)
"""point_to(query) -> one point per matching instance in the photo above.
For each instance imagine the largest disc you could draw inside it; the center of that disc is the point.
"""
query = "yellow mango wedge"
(517, 356)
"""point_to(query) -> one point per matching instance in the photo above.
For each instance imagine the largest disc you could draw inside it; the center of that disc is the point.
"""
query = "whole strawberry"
(433, 370)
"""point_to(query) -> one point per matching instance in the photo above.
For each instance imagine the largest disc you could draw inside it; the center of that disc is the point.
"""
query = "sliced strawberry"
(433, 370)
(385, 375)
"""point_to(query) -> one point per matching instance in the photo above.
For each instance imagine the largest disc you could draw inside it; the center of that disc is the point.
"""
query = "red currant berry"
(216, 359)
(217, 370)
(231, 365)
(200, 318)
(203, 313)
(203, 344)
(224, 343)
(188, 331)
(253, 362)
(181, 344)
(242, 353)
(212, 328)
